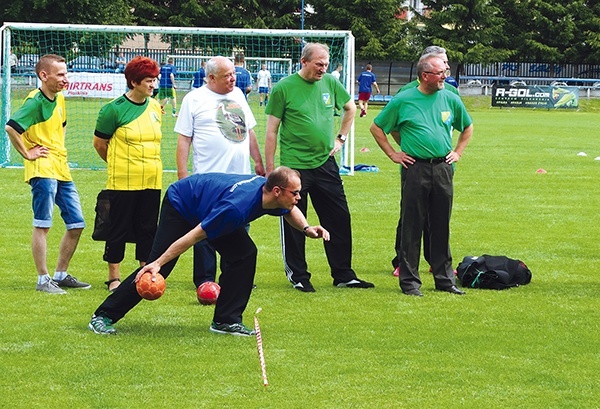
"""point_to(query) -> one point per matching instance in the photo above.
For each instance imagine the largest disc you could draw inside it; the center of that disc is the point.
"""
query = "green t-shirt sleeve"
(276, 103)
(387, 119)
(29, 114)
(451, 88)
(106, 124)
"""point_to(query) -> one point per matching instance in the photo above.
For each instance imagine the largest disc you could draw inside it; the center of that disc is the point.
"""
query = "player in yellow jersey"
(127, 137)
(37, 132)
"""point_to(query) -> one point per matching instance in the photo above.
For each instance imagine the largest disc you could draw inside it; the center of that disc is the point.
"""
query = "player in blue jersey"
(243, 79)
(365, 81)
(214, 207)
(167, 86)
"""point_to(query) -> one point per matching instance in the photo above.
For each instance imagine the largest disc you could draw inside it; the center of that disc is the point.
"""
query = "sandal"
(109, 282)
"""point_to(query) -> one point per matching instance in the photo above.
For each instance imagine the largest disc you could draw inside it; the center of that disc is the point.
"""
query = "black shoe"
(416, 292)
(354, 283)
(454, 290)
(238, 329)
(305, 286)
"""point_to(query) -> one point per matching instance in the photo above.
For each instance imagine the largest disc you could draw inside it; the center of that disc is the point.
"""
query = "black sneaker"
(238, 329)
(71, 282)
(354, 283)
(304, 286)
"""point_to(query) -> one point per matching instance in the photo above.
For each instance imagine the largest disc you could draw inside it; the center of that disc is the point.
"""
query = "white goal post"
(92, 51)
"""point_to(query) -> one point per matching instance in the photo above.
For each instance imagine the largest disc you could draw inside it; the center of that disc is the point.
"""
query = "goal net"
(188, 64)
(93, 55)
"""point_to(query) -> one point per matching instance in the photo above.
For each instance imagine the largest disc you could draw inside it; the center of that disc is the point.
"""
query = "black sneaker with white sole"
(354, 283)
(237, 329)
(305, 286)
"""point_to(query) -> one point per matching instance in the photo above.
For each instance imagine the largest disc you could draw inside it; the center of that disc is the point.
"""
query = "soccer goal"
(95, 78)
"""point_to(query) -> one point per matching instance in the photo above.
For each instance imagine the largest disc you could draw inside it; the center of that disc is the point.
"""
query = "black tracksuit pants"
(326, 191)
(238, 264)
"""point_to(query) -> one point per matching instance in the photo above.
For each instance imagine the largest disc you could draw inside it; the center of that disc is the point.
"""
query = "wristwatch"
(342, 137)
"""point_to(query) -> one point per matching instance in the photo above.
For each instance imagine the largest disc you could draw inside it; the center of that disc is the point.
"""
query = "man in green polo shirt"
(300, 114)
(441, 53)
(425, 117)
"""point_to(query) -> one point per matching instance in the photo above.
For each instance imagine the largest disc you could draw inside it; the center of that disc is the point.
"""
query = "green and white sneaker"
(50, 287)
(71, 282)
(237, 329)
(101, 325)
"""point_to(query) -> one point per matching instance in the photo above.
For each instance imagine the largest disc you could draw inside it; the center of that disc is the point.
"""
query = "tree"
(67, 11)
(466, 28)
(217, 13)
(539, 30)
(372, 22)
(585, 47)
(483, 31)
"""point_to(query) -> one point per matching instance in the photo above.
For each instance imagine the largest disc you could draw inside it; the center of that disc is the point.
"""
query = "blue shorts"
(48, 192)
(263, 90)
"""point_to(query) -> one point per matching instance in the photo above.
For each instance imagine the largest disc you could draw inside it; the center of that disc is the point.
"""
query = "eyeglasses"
(293, 192)
(445, 72)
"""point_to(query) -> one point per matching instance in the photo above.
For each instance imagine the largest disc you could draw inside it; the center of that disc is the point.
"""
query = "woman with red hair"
(127, 138)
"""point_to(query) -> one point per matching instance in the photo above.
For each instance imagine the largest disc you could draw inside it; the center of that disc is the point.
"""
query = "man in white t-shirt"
(264, 84)
(216, 122)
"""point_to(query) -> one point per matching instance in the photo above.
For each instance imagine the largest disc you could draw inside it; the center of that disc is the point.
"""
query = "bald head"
(220, 74)
(217, 63)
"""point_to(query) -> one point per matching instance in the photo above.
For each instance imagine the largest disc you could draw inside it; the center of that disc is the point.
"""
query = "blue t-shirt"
(165, 75)
(199, 78)
(221, 202)
(243, 79)
(365, 80)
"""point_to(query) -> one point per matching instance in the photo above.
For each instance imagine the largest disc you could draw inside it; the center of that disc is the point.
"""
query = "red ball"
(208, 292)
(151, 290)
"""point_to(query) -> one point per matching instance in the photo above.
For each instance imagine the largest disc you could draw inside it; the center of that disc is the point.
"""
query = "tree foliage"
(372, 23)
(67, 11)
(466, 28)
(471, 30)
(556, 31)
(103, 12)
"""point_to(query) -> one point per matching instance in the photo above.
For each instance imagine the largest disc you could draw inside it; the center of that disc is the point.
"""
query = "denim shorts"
(48, 192)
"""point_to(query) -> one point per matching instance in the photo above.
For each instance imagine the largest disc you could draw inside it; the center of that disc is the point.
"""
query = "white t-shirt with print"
(219, 126)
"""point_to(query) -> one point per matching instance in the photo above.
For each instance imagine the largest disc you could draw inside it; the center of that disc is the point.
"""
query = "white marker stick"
(261, 354)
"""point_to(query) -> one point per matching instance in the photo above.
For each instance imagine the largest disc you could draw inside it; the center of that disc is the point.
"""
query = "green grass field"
(529, 347)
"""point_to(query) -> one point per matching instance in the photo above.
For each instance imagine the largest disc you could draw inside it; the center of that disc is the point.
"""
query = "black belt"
(431, 160)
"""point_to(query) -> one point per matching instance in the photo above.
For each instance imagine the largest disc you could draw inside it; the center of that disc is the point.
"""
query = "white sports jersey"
(263, 78)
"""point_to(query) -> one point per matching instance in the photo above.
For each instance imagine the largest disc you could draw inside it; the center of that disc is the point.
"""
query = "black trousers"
(326, 191)
(398, 244)
(205, 263)
(132, 213)
(427, 194)
(238, 264)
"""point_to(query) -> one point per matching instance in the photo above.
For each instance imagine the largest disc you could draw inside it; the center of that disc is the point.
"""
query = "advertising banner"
(535, 96)
(95, 85)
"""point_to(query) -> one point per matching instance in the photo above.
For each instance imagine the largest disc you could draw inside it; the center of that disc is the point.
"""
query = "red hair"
(139, 68)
